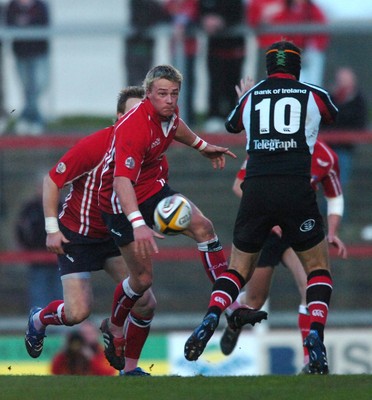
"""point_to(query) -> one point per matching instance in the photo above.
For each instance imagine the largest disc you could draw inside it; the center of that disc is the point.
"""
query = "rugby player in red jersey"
(83, 244)
(134, 180)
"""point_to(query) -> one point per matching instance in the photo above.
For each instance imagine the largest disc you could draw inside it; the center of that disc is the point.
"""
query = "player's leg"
(126, 294)
(254, 296)
(74, 308)
(136, 330)
(210, 249)
(257, 288)
(304, 227)
(293, 263)
(225, 291)
(250, 230)
(137, 326)
(318, 295)
(129, 290)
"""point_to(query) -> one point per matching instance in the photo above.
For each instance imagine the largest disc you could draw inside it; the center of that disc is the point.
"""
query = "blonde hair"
(167, 72)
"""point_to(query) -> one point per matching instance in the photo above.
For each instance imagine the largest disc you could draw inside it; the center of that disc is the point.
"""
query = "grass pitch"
(331, 387)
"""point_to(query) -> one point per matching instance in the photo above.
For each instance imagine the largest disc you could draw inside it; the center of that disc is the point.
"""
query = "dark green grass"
(332, 387)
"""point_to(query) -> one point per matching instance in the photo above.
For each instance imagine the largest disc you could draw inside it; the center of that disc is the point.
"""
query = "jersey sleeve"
(241, 173)
(234, 122)
(84, 156)
(325, 170)
(331, 181)
(327, 108)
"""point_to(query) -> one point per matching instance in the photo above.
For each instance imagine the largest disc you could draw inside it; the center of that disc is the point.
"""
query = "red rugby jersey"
(325, 170)
(137, 152)
(81, 167)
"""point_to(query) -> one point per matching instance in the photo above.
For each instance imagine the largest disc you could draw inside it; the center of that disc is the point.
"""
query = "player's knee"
(74, 317)
(146, 305)
(202, 228)
(256, 301)
(143, 282)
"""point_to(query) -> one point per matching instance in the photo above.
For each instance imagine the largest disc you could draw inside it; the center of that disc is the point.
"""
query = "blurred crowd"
(208, 27)
(226, 48)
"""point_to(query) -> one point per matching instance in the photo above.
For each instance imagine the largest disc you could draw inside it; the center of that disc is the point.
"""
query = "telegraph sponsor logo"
(274, 144)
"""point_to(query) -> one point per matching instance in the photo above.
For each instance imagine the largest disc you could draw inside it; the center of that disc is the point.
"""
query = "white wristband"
(136, 219)
(199, 144)
(137, 223)
(51, 225)
(335, 205)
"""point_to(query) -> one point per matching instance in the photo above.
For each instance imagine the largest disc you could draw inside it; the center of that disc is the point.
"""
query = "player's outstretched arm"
(215, 153)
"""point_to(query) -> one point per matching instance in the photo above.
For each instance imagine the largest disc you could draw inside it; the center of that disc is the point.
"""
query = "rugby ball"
(172, 215)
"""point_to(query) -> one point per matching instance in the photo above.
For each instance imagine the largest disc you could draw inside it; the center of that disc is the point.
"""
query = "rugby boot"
(318, 363)
(235, 322)
(196, 343)
(114, 347)
(34, 339)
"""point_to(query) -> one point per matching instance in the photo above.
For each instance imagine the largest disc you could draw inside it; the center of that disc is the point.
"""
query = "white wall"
(87, 71)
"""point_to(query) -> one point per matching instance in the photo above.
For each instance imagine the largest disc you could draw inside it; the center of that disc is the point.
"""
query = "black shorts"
(121, 229)
(287, 201)
(84, 254)
(272, 251)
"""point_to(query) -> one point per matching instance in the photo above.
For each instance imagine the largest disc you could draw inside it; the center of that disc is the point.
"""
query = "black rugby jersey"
(281, 117)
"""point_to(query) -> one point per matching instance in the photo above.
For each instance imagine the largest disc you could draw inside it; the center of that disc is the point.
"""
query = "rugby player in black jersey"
(281, 118)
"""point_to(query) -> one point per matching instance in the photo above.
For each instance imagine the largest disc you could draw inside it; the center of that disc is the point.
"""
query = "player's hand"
(217, 155)
(54, 242)
(244, 85)
(144, 242)
(339, 244)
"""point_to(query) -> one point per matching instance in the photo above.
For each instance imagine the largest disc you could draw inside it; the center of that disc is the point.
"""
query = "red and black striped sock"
(225, 291)
(318, 296)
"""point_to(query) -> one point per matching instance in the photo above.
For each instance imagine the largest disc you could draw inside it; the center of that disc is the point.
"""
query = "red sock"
(124, 300)
(136, 331)
(53, 313)
(213, 258)
(304, 326)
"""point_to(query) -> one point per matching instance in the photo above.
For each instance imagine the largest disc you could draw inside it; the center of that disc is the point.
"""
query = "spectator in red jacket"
(313, 45)
(260, 13)
(82, 354)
